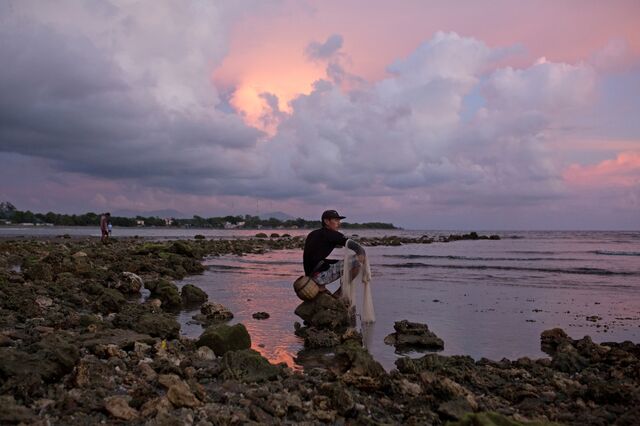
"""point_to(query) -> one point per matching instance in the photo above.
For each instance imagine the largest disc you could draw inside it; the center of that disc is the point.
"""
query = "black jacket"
(319, 244)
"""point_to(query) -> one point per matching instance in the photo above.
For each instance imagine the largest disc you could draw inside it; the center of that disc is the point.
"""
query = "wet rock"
(147, 371)
(551, 339)
(59, 355)
(141, 349)
(110, 301)
(590, 350)
(168, 293)
(452, 365)
(411, 335)
(181, 396)
(43, 302)
(154, 406)
(38, 271)
(205, 353)
(129, 283)
(444, 388)
(193, 295)
(168, 380)
(119, 337)
(261, 315)
(455, 409)
(352, 334)
(356, 366)
(143, 319)
(223, 338)
(159, 325)
(324, 311)
(248, 366)
(565, 356)
(259, 415)
(340, 397)
(318, 338)
(13, 413)
(119, 408)
(410, 388)
(216, 312)
(182, 248)
(568, 360)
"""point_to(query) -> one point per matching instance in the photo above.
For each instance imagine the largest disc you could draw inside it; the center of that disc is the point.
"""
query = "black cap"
(331, 214)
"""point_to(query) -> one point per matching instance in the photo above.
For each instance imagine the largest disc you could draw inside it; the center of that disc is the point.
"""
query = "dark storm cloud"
(66, 99)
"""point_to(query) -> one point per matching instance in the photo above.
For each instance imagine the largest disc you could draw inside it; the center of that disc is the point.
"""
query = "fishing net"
(349, 284)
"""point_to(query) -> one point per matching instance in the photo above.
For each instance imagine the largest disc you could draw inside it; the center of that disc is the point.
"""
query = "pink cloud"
(622, 171)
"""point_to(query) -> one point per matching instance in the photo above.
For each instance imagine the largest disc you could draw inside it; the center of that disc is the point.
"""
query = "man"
(104, 220)
(320, 243)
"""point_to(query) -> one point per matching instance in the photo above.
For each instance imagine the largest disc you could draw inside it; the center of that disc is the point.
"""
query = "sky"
(466, 115)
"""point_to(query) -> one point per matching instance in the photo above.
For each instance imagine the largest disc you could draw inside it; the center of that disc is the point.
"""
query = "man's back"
(319, 244)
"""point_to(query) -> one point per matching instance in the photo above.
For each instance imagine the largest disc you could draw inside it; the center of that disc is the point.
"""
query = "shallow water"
(483, 298)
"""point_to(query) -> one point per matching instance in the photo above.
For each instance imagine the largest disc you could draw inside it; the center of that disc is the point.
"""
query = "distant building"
(229, 225)
(168, 221)
(140, 222)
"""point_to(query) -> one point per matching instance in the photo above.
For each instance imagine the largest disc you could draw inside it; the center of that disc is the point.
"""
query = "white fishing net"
(349, 284)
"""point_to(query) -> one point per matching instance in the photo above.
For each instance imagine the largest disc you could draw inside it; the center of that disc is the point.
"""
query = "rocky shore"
(77, 346)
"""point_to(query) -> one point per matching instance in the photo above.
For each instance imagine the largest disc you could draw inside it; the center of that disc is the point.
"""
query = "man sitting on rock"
(320, 243)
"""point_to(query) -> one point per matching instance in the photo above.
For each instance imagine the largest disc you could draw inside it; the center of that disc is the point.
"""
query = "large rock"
(223, 338)
(38, 271)
(143, 319)
(168, 293)
(119, 408)
(119, 337)
(129, 283)
(216, 312)
(324, 311)
(248, 366)
(356, 366)
(181, 396)
(47, 360)
(13, 413)
(110, 301)
(182, 248)
(550, 340)
(412, 335)
(318, 338)
(193, 295)
(164, 326)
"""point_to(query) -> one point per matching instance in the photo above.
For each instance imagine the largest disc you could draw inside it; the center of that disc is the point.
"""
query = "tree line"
(246, 221)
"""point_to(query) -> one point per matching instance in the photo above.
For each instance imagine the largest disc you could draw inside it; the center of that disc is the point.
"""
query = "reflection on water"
(535, 283)
(252, 284)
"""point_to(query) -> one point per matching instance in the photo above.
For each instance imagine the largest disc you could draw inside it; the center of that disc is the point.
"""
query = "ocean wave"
(533, 252)
(224, 267)
(452, 257)
(582, 271)
(616, 253)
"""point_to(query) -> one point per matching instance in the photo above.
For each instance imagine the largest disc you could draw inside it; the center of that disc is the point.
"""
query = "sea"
(485, 298)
